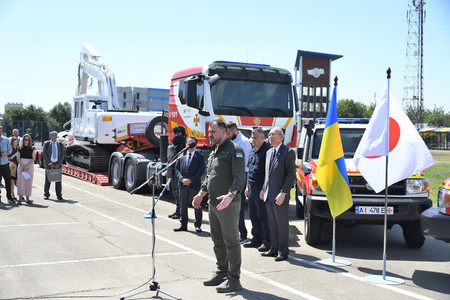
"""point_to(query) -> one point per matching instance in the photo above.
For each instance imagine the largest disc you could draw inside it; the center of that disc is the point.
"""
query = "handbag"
(54, 175)
(13, 169)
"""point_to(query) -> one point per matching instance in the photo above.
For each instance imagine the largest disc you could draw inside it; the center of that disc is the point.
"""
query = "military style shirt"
(226, 171)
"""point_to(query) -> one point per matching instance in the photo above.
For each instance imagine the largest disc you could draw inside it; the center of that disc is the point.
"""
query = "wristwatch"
(231, 195)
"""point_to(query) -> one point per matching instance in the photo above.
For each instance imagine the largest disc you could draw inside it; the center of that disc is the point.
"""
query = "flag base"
(335, 263)
(378, 279)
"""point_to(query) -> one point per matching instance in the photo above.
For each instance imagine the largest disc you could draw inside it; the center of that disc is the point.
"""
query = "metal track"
(88, 157)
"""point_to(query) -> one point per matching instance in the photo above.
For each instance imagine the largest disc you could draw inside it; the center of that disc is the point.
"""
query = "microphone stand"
(154, 285)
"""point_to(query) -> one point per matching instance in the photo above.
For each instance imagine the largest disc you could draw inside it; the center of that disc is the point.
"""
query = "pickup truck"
(407, 199)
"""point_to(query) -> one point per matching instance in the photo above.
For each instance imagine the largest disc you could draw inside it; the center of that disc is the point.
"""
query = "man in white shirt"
(53, 152)
(237, 137)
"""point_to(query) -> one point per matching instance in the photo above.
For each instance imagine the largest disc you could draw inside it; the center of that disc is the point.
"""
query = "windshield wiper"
(236, 107)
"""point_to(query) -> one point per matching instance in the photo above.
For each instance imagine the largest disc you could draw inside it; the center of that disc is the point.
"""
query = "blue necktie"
(189, 160)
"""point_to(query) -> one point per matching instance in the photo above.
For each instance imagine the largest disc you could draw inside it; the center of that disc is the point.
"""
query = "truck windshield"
(350, 140)
(252, 98)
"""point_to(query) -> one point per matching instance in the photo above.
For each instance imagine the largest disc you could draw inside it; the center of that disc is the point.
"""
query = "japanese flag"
(390, 132)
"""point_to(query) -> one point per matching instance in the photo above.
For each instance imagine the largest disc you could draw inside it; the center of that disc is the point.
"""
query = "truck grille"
(358, 185)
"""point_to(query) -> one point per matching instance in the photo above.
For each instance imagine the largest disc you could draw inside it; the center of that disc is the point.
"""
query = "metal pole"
(385, 218)
(386, 174)
(334, 239)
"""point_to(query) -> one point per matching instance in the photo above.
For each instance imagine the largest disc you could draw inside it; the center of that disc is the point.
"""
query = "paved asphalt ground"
(96, 244)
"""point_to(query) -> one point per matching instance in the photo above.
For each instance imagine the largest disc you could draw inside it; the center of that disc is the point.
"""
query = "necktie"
(189, 159)
(54, 156)
(272, 159)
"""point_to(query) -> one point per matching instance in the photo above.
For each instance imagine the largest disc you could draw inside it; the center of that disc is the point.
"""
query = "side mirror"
(306, 168)
(204, 113)
(213, 79)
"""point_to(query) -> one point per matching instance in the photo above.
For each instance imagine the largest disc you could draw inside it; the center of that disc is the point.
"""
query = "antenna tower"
(413, 85)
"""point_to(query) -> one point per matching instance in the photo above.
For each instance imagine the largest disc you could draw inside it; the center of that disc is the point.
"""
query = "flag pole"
(334, 261)
(374, 278)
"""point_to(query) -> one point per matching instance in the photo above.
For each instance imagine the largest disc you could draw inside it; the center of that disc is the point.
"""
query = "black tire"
(129, 175)
(412, 234)
(116, 176)
(313, 228)
(299, 209)
(153, 129)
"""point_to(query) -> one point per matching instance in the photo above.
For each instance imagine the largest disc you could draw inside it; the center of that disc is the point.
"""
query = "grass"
(438, 172)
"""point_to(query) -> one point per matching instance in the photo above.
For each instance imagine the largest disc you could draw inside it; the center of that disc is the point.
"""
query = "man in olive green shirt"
(224, 179)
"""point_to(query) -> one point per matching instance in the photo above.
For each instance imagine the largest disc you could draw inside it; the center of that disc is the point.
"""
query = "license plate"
(373, 210)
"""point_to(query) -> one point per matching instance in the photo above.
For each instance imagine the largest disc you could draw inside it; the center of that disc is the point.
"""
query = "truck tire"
(313, 227)
(299, 209)
(130, 175)
(116, 176)
(413, 234)
(153, 129)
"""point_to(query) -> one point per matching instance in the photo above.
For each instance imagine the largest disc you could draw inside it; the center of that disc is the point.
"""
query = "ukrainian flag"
(331, 171)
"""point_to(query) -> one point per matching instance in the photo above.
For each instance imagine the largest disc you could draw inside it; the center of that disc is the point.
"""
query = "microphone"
(192, 145)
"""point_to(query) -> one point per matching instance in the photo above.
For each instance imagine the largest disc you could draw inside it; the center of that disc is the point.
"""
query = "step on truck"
(407, 199)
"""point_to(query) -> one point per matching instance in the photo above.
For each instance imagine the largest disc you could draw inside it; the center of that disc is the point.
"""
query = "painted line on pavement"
(355, 277)
(249, 273)
(90, 260)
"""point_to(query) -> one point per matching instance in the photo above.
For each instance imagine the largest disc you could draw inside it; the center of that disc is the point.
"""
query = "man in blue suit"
(189, 169)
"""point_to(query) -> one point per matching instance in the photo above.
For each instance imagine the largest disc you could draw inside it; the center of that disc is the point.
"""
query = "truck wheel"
(413, 234)
(154, 129)
(313, 228)
(130, 175)
(116, 176)
(299, 210)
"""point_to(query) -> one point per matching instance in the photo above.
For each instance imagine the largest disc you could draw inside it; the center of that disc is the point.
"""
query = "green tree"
(59, 114)
(30, 119)
(437, 117)
(369, 110)
(348, 108)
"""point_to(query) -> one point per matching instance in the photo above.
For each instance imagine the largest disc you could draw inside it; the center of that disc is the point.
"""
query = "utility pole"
(413, 83)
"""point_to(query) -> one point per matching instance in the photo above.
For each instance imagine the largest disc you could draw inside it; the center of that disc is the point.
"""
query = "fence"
(39, 130)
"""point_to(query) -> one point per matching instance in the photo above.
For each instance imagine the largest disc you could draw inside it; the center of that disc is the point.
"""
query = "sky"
(145, 42)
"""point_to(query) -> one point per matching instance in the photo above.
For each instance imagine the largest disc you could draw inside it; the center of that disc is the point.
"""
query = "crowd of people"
(17, 165)
(237, 169)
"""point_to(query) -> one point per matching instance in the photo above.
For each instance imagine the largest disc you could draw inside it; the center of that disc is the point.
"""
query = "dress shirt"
(5, 146)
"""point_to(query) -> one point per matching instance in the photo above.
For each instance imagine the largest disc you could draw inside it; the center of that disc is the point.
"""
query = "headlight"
(443, 201)
(314, 184)
(415, 186)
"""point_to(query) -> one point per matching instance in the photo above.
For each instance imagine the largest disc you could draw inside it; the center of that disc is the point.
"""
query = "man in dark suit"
(279, 179)
(53, 152)
(189, 169)
(178, 142)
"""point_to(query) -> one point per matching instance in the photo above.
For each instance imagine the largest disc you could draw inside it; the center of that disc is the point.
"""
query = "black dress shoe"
(269, 253)
(264, 248)
(175, 216)
(181, 228)
(60, 198)
(252, 244)
(46, 197)
(171, 215)
(281, 257)
(198, 229)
